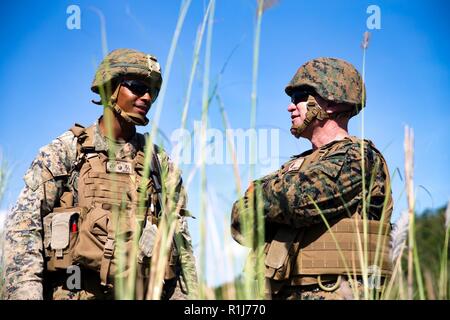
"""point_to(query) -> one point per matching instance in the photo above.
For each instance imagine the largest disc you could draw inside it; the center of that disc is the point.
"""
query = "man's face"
(298, 109)
(134, 97)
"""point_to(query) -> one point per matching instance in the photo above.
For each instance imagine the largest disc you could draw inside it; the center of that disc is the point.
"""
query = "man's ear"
(337, 108)
(336, 111)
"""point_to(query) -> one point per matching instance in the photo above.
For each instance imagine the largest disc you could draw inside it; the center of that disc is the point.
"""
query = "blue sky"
(46, 71)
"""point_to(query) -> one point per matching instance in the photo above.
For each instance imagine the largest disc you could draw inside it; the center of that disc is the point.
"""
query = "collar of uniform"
(101, 142)
(323, 148)
(303, 154)
(345, 140)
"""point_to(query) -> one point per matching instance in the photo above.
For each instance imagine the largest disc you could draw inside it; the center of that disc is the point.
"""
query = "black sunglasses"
(140, 88)
(300, 96)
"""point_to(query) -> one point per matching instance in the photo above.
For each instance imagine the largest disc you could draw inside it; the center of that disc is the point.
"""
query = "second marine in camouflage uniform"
(41, 226)
(305, 258)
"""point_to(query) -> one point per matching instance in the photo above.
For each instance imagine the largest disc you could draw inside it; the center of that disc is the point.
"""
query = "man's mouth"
(141, 108)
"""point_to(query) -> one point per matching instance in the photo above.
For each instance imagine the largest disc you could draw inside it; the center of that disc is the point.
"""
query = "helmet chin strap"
(314, 112)
(130, 117)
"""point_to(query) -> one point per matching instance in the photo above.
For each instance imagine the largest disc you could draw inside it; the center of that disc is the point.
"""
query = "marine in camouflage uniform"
(342, 180)
(26, 269)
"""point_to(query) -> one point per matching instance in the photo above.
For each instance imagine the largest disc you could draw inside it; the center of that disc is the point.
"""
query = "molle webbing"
(112, 189)
(120, 202)
(319, 253)
(77, 130)
(107, 187)
(283, 248)
(87, 139)
(115, 188)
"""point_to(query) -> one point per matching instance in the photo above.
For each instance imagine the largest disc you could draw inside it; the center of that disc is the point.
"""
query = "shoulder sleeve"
(22, 248)
(52, 161)
(172, 181)
(325, 188)
(23, 260)
(241, 210)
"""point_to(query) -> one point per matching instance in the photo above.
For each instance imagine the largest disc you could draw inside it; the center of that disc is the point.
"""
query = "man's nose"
(291, 107)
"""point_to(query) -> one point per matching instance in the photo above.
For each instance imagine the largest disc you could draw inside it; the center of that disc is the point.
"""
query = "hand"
(251, 188)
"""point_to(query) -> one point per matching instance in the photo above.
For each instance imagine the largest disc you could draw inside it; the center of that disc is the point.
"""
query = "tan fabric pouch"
(92, 238)
(282, 252)
(60, 236)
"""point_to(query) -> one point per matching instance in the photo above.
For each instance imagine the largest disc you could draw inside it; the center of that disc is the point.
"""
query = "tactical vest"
(107, 221)
(306, 255)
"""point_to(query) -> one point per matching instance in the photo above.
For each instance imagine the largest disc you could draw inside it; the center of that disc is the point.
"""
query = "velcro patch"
(296, 165)
(116, 166)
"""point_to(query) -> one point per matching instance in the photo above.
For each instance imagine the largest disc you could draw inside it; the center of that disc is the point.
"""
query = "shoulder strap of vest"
(155, 165)
(156, 173)
(142, 139)
(85, 136)
(85, 141)
(77, 130)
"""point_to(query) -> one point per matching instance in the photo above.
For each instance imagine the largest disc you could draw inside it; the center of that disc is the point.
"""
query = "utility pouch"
(172, 267)
(147, 241)
(281, 253)
(93, 235)
(60, 236)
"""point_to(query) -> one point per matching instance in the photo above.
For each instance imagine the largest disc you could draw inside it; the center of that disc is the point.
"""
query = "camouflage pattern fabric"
(131, 63)
(90, 287)
(91, 290)
(23, 247)
(60, 293)
(333, 183)
(333, 79)
(346, 291)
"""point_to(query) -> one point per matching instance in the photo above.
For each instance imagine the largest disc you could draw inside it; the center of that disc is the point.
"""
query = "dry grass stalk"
(399, 235)
(366, 39)
(4, 175)
(429, 285)
(409, 169)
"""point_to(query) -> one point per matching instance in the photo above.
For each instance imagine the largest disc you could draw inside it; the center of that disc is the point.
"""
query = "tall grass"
(364, 250)
(4, 175)
(443, 292)
(415, 282)
(254, 281)
(204, 126)
(170, 210)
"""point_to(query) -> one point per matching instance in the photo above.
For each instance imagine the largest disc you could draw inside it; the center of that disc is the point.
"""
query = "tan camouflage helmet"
(128, 63)
(333, 79)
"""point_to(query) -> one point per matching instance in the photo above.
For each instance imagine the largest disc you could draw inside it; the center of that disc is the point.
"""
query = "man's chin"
(294, 132)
